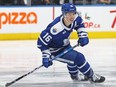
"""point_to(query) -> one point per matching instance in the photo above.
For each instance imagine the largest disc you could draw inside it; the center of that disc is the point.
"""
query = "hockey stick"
(10, 83)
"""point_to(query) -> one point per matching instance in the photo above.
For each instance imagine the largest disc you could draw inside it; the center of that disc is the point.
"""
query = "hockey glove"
(83, 39)
(46, 60)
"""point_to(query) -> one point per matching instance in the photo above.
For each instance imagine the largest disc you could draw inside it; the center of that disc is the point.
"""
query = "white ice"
(21, 56)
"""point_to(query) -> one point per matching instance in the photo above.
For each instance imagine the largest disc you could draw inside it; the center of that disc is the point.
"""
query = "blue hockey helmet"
(68, 7)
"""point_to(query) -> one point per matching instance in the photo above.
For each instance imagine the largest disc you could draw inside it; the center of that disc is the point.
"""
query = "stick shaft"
(10, 83)
(66, 51)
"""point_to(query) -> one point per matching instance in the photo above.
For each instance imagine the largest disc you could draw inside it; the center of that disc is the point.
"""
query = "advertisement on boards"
(24, 19)
(36, 19)
(95, 18)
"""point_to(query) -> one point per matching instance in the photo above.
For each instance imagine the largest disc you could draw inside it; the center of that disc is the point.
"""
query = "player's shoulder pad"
(57, 28)
(79, 20)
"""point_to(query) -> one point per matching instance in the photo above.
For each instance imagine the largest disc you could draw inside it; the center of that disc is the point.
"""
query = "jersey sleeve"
(44, 40)
(80, 28)
(79, 23)
(47, 36)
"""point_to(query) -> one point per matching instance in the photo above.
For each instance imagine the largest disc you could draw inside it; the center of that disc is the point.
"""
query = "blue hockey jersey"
(56, 35)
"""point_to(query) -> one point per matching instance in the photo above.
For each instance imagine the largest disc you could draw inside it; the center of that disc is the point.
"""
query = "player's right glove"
(83, 41)
(46, 60)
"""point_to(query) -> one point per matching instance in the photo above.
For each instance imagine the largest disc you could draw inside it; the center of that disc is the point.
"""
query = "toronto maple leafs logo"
(66, 42)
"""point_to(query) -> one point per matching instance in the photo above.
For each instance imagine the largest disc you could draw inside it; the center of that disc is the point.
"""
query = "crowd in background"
(53, 2)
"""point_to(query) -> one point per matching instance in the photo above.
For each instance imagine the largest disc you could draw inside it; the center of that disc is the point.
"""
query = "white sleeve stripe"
(39, 46)
(46, 51)
(45, 56)
(82, 36)
(43, 41)
(81, 29)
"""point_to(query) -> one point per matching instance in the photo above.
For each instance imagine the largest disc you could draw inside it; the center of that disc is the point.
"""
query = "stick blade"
(7, 84)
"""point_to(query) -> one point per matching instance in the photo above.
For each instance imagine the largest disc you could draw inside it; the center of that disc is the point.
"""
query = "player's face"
(70, 16)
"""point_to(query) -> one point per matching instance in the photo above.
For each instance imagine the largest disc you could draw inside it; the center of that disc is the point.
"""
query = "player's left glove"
(83, 38)
(46, 60)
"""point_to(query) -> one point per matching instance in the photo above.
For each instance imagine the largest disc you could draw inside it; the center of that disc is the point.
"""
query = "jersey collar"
(64, 25)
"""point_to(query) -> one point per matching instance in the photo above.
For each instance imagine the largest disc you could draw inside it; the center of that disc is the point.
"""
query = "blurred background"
(54, 2)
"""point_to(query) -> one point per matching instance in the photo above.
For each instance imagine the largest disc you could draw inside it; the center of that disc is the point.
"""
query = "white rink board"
(36, 19)
(96, 18)
(24, 19)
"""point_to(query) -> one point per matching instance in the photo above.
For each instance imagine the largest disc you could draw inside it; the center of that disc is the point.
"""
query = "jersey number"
(47, 37)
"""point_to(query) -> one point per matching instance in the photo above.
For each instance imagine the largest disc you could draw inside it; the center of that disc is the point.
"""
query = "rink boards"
(27, 23)
(34, 36)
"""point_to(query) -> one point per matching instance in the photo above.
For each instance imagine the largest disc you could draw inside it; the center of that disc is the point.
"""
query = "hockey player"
(55, 39)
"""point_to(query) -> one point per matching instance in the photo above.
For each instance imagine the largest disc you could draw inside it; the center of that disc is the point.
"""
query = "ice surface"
(20, 57)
